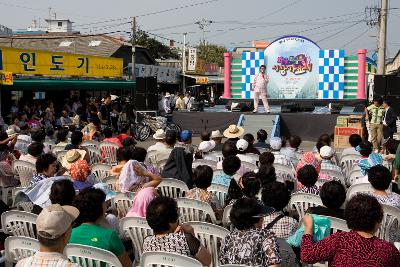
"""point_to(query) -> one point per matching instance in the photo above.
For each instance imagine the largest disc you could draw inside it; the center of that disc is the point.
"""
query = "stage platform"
(309, 126)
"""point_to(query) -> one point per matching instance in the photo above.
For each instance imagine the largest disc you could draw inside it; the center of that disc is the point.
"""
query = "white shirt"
(46, 259)
(167, 104)
(260, 82)
(350, 151)
(157, 146)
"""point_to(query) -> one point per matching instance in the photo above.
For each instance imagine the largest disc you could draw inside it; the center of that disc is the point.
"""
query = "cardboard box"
(354, 121)
(341, 121)
(342, 135)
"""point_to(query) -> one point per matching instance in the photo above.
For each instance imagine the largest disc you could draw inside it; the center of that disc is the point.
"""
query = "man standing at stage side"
(259, 89)
(374, 113)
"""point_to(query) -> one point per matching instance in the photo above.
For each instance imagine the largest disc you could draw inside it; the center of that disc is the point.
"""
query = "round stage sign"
(292, 66)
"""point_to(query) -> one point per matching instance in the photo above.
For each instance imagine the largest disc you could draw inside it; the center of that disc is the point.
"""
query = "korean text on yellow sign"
(31, 62)
(6, 78)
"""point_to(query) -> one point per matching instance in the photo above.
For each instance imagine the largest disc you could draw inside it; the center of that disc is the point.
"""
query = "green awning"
(50, 84)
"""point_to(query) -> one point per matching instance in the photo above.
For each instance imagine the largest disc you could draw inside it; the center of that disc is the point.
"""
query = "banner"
(192, 61)
(163, 74)
(292, 66)
(36, 62)
(6, 78)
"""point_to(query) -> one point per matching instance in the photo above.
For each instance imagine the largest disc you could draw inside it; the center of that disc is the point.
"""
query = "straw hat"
(159, 135)
(216, 134)
(72, 156)
(233, 131)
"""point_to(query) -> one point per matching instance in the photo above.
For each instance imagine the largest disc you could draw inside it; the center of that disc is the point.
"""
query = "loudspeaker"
(146, 93)
(140, 101)
(290, 108)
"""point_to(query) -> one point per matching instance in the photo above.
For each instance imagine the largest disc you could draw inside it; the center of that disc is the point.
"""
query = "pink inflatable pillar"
(362, 60)
(227, 75)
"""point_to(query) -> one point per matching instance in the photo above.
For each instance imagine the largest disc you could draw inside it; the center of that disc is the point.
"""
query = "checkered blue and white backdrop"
(251, 62)
(331, 74)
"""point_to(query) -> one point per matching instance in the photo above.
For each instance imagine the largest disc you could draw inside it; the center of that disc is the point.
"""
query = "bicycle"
(150, 125)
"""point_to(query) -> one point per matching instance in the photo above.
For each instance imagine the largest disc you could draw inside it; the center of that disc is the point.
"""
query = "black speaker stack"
(388, 87)
(146, 93)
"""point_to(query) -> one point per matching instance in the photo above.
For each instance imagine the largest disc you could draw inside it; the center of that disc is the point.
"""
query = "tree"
(211, 53)
(156, 49)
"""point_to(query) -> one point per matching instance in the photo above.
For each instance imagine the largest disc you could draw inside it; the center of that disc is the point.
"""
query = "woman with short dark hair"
(250, 244)
(92, 207)
(360, 246)
(308, 176)
(381, 179)
(162, 216)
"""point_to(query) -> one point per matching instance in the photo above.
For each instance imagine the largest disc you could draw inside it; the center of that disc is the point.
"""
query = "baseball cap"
(55, 220)
(275, 143)
(242, 145)
(326, 152)
(186, 135)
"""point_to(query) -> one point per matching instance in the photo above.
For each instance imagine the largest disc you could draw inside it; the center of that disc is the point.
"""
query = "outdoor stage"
(309, 126)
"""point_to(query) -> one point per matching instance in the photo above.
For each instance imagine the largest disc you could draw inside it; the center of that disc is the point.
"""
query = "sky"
(331, 24)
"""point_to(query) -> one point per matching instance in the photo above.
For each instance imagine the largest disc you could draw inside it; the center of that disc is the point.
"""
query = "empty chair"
(19, 223)
(90, 256)
(94, 155)
(391, 220)
(24, 170)
(109, 152)
(195, 210)
(172, 188)
(226, 217)
(19, 247)
(101, 171)
(167, 259)
(136, 228)
(210, 236)
(301, 202)
(284, 173)
(221, 191)
(90, 143)
(123, 204)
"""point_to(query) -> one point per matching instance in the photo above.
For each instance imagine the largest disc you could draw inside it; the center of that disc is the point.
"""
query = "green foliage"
(156, 49)
(211, 53)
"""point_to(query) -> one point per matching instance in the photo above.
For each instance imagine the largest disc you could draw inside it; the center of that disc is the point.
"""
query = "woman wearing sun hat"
(233, 133)
(72, 156)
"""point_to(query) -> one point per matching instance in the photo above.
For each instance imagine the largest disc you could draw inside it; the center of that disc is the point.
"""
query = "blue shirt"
(222, 179)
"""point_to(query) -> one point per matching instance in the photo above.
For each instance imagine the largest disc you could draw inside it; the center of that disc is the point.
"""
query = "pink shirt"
(260, 83)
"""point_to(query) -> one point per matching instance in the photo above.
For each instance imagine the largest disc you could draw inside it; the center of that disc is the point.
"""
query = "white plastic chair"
(358, 188)
(90, 143)
(347, 162)
(90, 256)
(17, 248)
(284, 173)
(94, 155)
(24, 170)
(249, 167)
(336, 175)
(160, 164)
(173, 188)
(250, 158)
(354, 175)
(101, 171)
(233, 265)
(60, 155)
(337, 224)
(210, 236)
(19, 223)
(109, 150)
(136, 228)
(199, 162)
(217, 154)
(195, 210)
(391, 220)
(123, 204)
(14, 193)
(221, 191)
(226, 217)
(167, 259)
(112, 182)
(301, 202)
(57, 148)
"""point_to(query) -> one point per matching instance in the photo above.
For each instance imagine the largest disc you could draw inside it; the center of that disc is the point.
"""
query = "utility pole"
(382, 38)
(202, 25)
(133, 77)
(184, 62)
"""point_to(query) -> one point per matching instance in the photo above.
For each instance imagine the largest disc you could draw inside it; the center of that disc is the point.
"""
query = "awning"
(52, 84)
(206, 79)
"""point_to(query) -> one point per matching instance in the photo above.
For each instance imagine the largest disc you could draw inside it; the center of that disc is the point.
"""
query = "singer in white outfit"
(259, 89)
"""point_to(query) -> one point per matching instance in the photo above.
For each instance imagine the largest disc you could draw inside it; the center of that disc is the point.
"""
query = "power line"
(152, 13)
(339, 32)
(355, 38)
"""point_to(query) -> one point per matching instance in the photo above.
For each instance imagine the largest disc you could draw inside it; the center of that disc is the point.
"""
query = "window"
(59, 24)
(94, 43)
(65, 43)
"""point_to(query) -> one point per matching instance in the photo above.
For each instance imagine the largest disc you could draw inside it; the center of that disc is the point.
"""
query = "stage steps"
(253, 123)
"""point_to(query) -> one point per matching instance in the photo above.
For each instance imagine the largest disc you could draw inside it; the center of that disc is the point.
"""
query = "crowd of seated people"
(259, 198)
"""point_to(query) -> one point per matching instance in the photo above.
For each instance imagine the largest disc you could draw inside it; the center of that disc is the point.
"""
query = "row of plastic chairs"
(18, 248)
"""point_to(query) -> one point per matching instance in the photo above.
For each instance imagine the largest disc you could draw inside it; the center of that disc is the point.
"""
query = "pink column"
(362, 60)
(227, 75)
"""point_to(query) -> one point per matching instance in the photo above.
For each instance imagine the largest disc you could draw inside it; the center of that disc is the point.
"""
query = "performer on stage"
(259, 89)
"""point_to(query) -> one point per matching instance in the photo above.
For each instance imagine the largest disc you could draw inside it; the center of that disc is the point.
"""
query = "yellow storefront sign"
(36, 62)
(201, 80)
(6, 78)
